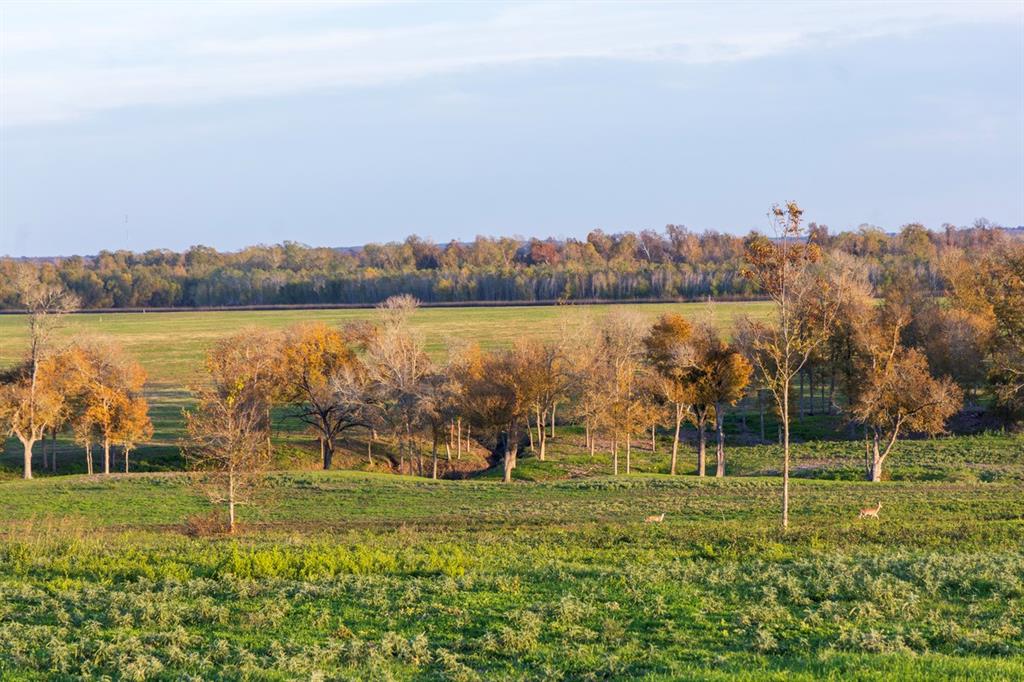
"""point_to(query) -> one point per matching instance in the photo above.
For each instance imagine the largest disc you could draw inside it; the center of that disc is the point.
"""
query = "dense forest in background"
(673, 264)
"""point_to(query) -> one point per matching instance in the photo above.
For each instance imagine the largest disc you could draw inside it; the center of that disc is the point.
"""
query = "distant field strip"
(171, 345)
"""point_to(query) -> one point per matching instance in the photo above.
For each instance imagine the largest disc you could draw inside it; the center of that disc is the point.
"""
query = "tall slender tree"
(805, 304)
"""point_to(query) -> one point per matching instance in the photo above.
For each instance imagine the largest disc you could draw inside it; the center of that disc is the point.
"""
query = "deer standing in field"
(655, 518)
(870, 512)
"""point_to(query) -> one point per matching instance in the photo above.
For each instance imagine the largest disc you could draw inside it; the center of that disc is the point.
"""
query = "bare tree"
(623, 407)
(226, 436)
(399, 367)
(229, 428)
(805, 305)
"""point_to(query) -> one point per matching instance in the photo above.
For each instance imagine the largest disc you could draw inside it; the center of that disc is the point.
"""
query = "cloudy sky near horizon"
(143, 125)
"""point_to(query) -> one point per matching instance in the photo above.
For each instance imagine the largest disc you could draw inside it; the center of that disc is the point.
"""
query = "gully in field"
(869, 511)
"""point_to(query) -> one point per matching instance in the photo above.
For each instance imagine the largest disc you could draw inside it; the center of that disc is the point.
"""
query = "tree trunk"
(529, 430)
(785, 456)
(760, 408)
(875, 474)
(27, 469)
(553, 407)
(675, 441)
(800, 398)
(433, 457)
(458, 439)
(511, 448)
(231, 501)
(654, 439)
(88, 458)
(615, 456)
(328, 451)
(720, 451)
(369, 449)
(106, 457)
(629, 448)
(126, 451)
(702, 440)
(542, 435)
(832, 393)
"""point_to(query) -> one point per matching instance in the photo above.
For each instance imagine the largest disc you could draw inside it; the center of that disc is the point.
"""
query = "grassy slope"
(372, 576)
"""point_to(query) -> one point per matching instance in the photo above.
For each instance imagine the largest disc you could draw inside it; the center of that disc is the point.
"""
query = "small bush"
(206, 525)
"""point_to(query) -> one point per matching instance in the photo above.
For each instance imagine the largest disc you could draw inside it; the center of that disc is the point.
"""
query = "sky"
(162, 125)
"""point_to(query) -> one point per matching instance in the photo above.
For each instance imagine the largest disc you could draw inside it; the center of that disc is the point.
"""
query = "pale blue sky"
(229, 124)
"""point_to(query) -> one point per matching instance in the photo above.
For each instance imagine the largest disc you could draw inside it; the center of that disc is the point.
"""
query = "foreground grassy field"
(347, 575)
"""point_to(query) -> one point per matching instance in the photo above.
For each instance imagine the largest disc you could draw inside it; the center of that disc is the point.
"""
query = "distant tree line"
(675, 263)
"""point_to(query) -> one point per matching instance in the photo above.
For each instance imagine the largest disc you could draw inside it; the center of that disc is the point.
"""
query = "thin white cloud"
(61, 61)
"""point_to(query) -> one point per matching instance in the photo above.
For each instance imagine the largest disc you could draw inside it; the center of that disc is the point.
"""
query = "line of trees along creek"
(895, 366)
(672, 264)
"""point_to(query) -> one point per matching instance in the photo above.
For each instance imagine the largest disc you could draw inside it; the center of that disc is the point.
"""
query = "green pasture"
(348, 575)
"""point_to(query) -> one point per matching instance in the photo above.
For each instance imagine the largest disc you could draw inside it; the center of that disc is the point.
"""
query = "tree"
(494, 402)
(112, 409)
(31, 402)
(135, 426)
(623, 408)
(29, 407)
(226, 435)
(437, 407)
(669, 352)
(900, 395)
(1006, 287)
(721, 377)
(314, 361)
(542, 378)
(249, 360)
(399, 367)
(805, 304)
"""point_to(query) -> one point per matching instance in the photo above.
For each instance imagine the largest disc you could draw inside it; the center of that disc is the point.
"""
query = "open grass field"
(349, 575)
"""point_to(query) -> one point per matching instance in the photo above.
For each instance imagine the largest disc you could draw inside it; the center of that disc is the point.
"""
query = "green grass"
(352, 575)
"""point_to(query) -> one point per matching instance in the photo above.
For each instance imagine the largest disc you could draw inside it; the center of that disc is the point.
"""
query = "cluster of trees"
(893, 355)
(894, 366)
(89, 387)
(675, 263)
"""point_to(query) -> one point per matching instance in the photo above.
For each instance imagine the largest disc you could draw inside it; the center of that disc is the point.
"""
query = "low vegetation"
(341, 574)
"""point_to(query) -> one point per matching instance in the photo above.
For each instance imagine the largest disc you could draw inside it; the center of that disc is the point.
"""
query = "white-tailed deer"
(868, 511)
(656, 518)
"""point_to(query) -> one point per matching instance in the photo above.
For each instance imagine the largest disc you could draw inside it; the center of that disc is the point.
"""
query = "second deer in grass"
(870, 512)
(656, 518)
